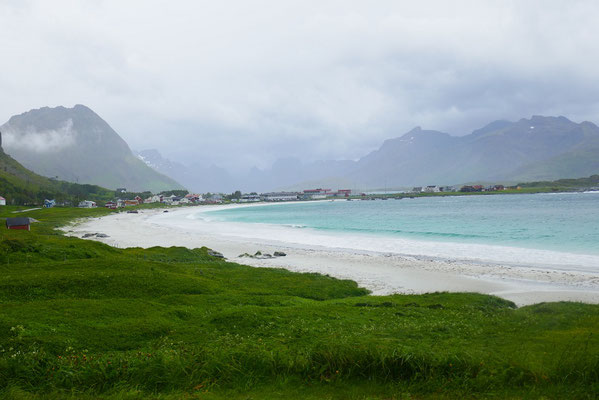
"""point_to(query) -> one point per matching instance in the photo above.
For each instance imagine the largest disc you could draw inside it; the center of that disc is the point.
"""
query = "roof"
(19, 221)
(2, 198)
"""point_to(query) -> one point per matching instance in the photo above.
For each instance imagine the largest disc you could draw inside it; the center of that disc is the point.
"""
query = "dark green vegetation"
(580, 183)
(21, 186)
(80, 319)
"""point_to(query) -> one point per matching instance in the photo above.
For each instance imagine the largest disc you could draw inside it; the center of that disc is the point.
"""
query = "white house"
(49, 203)
(169, 199)
(2, 201)
(152, 199)
(184, 200)
(431, 189)
(87, 204)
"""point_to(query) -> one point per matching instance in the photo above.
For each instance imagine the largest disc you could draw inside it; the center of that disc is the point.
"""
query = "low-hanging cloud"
(45, 141)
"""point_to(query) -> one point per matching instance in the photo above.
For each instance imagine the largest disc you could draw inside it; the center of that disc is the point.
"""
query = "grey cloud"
(40, 141)
(244, 83)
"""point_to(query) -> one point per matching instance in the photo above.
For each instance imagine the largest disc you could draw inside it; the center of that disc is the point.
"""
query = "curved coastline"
(383, 267)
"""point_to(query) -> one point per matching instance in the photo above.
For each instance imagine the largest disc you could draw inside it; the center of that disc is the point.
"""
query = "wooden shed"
(18, 223)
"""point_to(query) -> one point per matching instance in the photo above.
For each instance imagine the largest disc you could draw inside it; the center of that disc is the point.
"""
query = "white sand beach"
(393, 267)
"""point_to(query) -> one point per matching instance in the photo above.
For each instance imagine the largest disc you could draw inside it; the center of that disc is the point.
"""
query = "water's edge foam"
(359, 242)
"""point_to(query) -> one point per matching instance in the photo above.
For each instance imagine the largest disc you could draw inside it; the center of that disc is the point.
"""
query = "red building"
(23, 223)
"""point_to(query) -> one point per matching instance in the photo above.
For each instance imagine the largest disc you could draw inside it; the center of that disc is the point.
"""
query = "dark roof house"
(18, 223)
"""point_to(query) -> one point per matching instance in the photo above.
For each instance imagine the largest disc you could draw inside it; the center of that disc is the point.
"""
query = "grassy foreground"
(79, 319)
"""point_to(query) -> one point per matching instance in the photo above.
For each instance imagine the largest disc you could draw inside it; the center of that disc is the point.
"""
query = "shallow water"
(567, 222)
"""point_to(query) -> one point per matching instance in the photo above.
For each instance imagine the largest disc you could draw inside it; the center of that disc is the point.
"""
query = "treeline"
(20, 186)
(22, 193)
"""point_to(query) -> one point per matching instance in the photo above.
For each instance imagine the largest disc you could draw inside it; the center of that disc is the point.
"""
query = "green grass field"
(80, 319)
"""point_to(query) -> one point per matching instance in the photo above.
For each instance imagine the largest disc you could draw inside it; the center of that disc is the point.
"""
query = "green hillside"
(21, 186)
(576, 183)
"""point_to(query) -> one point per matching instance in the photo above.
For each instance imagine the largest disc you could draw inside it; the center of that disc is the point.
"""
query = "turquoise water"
(562, 222)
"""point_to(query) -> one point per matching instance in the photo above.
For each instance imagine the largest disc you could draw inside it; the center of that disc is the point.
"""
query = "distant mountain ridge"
(196, 177)
(534, 149)
(539, 148)
(76, 145)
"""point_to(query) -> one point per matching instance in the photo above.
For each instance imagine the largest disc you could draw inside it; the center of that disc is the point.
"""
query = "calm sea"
(566, 222)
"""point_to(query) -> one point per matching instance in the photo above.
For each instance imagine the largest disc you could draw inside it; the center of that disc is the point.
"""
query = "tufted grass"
(79, 319)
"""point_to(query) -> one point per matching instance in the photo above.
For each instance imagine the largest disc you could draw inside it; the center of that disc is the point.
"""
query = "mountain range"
(539, 148)
(76, 145)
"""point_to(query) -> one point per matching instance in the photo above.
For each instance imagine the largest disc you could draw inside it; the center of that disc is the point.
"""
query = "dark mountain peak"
(81, 107)
(51, 118)
(589, 124)
(546, 120)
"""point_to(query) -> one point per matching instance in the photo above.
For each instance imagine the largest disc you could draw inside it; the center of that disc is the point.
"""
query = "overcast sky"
(241, 83)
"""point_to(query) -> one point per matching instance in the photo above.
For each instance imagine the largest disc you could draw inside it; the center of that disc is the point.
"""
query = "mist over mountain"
(196, 177)
(76, 145)
(539, 148)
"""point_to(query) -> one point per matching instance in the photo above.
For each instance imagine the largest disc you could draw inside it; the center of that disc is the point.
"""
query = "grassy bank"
(80, 319)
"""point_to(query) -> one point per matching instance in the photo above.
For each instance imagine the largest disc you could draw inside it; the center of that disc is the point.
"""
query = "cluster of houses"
(433, 189)
(158, 198)
(481, 188)
(168, 200)
(308, 194)
(467, 188)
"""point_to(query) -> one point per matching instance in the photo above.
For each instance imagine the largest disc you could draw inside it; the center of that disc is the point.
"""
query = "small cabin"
(49, 203)
(23, 223)
(87, 204)
(2, 201)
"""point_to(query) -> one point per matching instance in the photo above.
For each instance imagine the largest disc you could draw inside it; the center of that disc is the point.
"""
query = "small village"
(306, 195)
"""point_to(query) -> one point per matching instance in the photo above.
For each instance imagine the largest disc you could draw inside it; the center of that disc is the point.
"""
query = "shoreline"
(381, 272)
